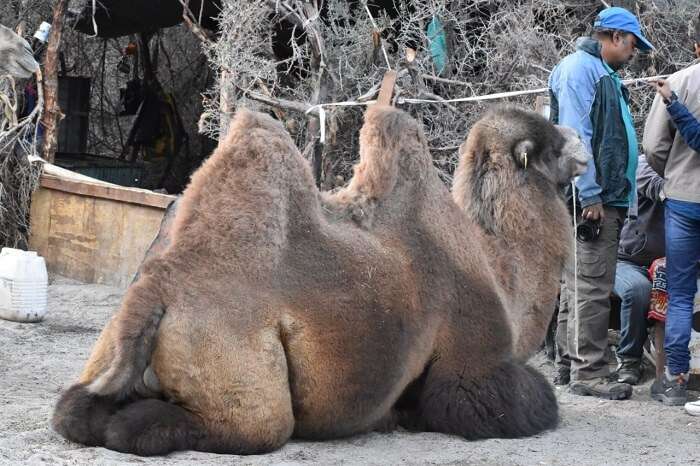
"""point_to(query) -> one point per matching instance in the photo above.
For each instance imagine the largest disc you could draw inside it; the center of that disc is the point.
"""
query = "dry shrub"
(18, 176)
(494, 46)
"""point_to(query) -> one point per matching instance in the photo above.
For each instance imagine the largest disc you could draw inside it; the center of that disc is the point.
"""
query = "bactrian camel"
(275, 311)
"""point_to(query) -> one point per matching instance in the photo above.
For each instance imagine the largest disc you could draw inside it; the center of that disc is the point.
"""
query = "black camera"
(588, 230)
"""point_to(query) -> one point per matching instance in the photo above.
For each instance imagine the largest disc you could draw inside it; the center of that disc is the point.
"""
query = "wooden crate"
(93, 231)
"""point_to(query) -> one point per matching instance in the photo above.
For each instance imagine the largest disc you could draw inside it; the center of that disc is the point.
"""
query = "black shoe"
(601, 387)
(629, 371)
(562, 376)
(671, 390)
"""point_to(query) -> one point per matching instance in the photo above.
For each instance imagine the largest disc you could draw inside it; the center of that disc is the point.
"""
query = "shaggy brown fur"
(276, 311)
(525, 227)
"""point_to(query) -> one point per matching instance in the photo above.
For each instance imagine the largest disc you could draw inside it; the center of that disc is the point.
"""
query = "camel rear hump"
(394, 161)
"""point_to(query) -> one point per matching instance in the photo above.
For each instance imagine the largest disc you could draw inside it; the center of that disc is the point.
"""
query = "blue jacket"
(587, 96)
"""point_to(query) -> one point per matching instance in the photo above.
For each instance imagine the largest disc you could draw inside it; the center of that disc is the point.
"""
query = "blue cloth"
(437, 40)
(682, 256)
(633, 286)
(686, 124)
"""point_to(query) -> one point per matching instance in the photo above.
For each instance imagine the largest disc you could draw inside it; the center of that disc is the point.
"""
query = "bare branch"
(276, 102)
(193, 24)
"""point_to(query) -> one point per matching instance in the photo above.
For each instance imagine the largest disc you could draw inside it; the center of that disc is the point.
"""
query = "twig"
(277, 102)
(193, 24)
(376, 28)
(431, 77)
(425, 95)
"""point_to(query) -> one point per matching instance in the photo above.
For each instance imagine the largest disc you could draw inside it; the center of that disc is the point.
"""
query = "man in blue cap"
(587, 95)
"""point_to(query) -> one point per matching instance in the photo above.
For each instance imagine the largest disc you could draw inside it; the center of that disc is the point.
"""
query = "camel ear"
(522, 150)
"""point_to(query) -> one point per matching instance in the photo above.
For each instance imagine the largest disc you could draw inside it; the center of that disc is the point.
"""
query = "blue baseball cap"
(622, 20)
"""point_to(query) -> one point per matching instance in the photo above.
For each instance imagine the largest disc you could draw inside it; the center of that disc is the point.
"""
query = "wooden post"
(227, 105)
(542, 105)
(322, 83)
(52, 112)
(387, 89)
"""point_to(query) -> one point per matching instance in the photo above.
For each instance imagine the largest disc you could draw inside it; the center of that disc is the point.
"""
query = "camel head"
(16, 58)
(513, 157)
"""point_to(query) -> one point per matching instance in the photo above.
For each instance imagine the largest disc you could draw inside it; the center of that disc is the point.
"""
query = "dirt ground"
(37, 361)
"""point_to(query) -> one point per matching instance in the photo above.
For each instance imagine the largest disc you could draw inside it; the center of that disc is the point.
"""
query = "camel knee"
(513, 400)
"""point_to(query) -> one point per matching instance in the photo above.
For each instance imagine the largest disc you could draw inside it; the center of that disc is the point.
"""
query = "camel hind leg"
(237, 402)
(231, 392)
(120, 356)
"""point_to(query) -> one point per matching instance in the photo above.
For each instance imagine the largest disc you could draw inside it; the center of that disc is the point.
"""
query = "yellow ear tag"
(523, 159)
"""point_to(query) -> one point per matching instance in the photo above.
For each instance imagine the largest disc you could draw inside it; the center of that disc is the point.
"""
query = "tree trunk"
(320, 94)
(52, 111)
(226, 104)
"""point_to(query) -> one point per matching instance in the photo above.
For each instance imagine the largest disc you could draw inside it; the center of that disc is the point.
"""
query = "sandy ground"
(37, 361)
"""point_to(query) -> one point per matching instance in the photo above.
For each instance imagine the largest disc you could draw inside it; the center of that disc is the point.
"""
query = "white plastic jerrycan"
(23, 285)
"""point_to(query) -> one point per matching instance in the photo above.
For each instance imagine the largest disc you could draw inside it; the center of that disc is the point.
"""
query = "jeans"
(682, 255)
(633, 286)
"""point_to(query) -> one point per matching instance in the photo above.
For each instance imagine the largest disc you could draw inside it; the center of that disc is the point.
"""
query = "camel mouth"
(580, 168)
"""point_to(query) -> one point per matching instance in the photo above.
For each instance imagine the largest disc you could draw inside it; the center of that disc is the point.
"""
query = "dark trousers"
(582, 333)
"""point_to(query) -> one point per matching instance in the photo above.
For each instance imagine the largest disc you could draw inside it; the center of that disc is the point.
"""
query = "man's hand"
(593, 212)
(662, 87)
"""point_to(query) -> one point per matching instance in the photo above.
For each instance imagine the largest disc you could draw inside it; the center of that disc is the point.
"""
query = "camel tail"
(136, 325)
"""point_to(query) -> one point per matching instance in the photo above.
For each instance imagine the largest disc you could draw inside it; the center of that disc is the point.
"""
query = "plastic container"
(23, 285)
(43, 32)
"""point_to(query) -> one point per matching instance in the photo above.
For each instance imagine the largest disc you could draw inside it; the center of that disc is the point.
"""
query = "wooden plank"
(72, 239)
(387, 89)
(40, 220)
(111, 192)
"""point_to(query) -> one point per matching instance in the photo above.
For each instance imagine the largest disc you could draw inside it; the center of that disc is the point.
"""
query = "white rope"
(94, 22)
(322, 126)
(503, 95)
(576, 332)
(499, 95)
(402, 100)
(322, 114)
